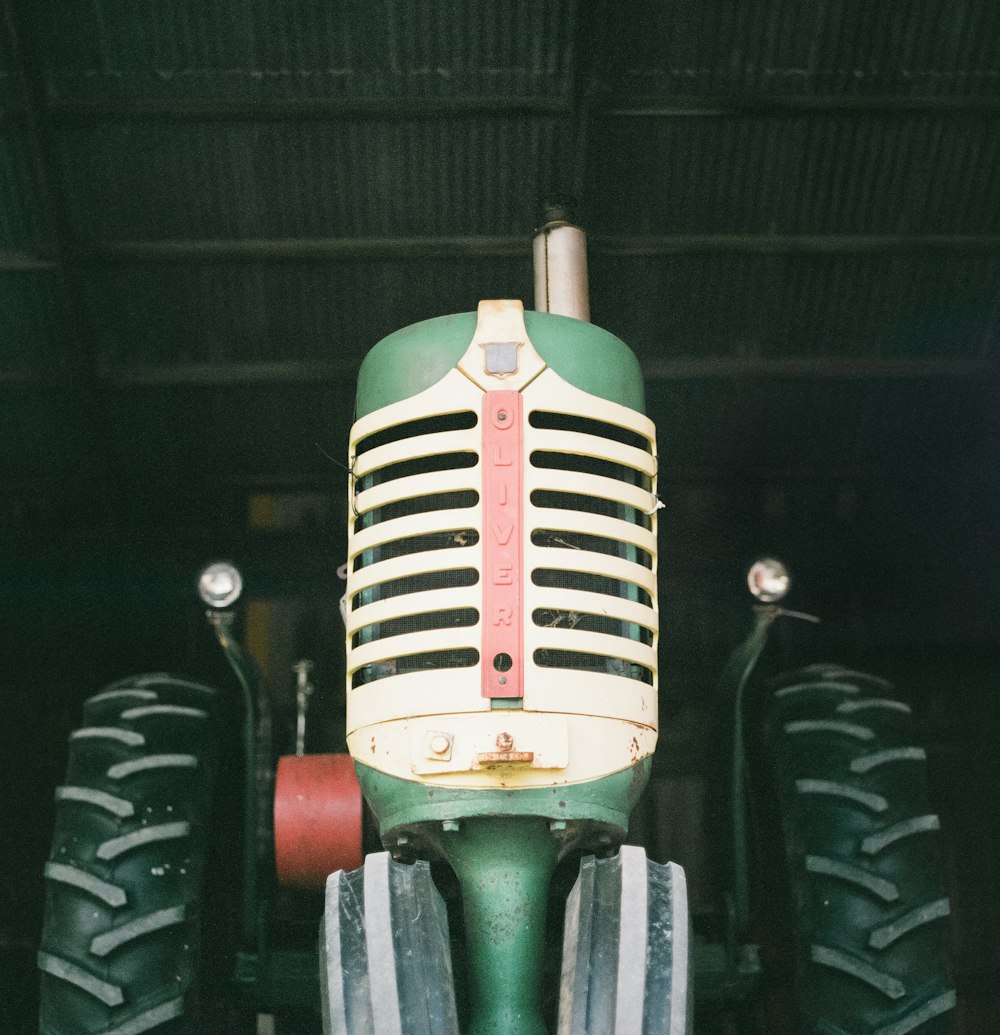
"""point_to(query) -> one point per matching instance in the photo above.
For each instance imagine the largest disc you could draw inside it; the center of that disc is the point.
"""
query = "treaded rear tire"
(860, 851)
(119, 950)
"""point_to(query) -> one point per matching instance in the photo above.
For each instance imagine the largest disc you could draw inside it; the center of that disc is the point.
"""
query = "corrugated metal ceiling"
(198, 194)
(841, 47)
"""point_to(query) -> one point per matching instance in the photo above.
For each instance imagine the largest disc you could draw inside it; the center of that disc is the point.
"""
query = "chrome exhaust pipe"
(560, 258)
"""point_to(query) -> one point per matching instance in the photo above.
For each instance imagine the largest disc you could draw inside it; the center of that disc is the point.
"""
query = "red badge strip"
(502, 662)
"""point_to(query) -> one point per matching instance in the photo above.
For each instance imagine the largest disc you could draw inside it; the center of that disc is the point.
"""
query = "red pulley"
(317, 818)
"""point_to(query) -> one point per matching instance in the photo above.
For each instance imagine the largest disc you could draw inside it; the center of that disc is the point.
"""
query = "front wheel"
(625, 963)
(119, 950)
(853, 855)
(385, 958)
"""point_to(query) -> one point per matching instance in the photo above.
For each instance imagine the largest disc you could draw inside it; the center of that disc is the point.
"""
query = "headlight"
(220, 584)
(768, 580)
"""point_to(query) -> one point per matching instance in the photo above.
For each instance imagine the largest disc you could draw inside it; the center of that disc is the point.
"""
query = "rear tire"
(858, 859)
(119, 952)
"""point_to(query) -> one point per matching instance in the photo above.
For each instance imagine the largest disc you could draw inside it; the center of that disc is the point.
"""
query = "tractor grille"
(586, 577)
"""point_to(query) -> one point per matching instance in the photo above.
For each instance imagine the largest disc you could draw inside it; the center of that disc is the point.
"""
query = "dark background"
(210, 210)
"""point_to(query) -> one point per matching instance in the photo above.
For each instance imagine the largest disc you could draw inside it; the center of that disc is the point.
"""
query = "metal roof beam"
(15, 260)
(272, 372)
(824, 368)
(308, 249)
(791, 244)
(213, 109)
(793, 105)
(579, 104)
(655, 367)
(347, 249)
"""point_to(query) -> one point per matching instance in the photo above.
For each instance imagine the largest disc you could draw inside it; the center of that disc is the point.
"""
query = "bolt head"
(440, 743)
(505, 742)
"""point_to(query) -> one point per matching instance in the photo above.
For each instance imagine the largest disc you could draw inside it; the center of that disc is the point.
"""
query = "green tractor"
(501, 633)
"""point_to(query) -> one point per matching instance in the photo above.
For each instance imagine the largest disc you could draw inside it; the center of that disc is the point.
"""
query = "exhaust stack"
(560, 256)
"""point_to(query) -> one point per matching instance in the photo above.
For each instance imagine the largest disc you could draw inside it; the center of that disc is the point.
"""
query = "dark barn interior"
(210, 211)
